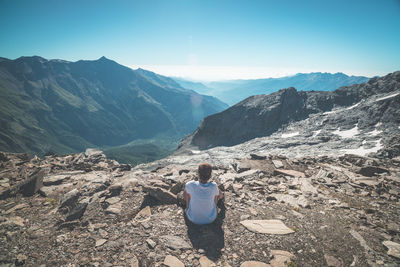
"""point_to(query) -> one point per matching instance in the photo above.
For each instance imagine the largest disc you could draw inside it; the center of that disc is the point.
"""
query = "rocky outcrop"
(375, 103)
(278, 211)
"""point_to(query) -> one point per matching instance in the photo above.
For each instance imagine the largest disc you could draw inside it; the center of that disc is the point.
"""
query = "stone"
(368, 181)
(143, 215)
(134, 261)
(290, 173)
(372, 171)
(281, 258)
(295, 201)
(113, 200)
(277, 163)
(114, 209)
(394, 248)
(174, 242)
(77, 212)
(114, 190)
(173, 261)
(254, 264)
(20, 259)
(30, 186)
(16, 220)
(360, 239)
(100, 242)
(205, 262)
(332, 261)
(161, 194)
(69, 199)
(151, 243)
(55, 179)
(92, 152)
(276, 227)
(16, 207)
(53, 190)
(257, 157)
(176, 188)
(393, 228)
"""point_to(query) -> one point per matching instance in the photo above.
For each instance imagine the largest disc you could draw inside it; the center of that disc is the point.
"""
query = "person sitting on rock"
(201, 197)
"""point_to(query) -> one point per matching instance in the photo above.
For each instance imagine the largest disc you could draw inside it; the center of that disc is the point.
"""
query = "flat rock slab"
(205, 262)
(394, 248)
(175, 242)
(281, 258)
(172, 261)
(368, 181)
(277, 163)
(143, 215)
(55, 179)
(273, 227)
(114, 209)
(332, 261)
(291, 173)
(100, 242)
(254, 264)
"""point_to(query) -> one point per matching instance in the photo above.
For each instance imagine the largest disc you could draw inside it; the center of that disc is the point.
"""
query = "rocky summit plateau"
(310, 179)
(85, 210)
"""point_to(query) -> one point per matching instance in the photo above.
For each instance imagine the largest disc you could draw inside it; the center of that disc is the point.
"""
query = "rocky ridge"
(83, 209)
(371, 110)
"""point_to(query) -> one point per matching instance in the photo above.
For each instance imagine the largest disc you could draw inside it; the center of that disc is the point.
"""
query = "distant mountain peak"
(103, 58)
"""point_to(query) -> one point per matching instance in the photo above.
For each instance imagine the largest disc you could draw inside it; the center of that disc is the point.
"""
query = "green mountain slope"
(64, 107)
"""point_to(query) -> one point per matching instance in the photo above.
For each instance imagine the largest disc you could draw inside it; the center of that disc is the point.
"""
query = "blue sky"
(215, 39)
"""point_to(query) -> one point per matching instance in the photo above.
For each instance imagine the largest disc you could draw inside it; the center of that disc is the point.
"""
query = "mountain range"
(234, 91)
(349, 117)
(63, 107)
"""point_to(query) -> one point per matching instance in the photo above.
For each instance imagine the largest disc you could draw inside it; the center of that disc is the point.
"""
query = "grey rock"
(161, 194)
(77, 212)
(174, 242)
(70, 198)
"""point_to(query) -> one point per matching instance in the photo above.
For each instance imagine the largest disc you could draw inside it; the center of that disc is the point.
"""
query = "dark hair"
(204, 171)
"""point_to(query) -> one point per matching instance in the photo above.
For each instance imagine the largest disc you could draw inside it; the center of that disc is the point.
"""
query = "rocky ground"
(86, 210)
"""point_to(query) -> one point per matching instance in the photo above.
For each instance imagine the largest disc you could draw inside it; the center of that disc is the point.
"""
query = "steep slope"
(60, 106)
(376, 102)
(232, 92)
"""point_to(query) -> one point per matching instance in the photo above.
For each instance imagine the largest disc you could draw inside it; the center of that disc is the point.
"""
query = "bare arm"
(186, 197)
(219, 196)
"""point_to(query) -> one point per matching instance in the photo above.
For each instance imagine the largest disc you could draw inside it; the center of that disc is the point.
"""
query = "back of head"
(204, 172)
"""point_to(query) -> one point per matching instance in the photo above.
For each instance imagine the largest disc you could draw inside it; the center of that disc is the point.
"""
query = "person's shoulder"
(213, 184)
(193, 182)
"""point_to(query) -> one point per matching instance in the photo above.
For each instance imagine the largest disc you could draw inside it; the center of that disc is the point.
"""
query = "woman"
(201, 197)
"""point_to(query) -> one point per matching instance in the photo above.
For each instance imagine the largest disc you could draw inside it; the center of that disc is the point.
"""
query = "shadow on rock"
(209, 237)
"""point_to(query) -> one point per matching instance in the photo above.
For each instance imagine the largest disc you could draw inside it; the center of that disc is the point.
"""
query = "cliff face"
(263, 115)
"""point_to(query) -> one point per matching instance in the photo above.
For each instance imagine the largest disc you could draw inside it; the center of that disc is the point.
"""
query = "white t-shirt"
(202, 209)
